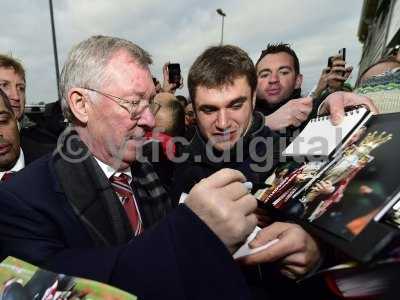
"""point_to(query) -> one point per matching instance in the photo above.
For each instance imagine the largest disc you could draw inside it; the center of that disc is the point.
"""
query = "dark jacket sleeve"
(181, 258)
(186, 175)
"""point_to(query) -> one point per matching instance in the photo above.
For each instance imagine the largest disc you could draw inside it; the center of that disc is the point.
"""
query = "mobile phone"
(174, 71)
(342, 53)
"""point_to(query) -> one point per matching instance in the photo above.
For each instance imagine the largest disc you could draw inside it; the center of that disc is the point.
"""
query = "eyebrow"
(232, 102)
(238, 99)
(269, 70)
(18, 83)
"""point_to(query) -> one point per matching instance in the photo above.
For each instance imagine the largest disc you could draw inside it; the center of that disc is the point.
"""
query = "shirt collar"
(20, 164)
(110, 171)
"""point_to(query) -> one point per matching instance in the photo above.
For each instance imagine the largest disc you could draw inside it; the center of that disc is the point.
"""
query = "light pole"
(223, 15)
(53, 32)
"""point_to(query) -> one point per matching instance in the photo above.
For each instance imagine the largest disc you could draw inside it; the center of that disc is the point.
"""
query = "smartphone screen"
(174, 71)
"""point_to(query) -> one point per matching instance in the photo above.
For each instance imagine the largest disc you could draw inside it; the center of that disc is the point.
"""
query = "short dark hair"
(6, 101)
(221, 65)
(9, 62)
(182, 100)
(278, 48)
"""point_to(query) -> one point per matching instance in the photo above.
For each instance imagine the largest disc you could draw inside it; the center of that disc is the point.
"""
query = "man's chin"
(124, 158)
(274, 100)
(122, 163)
(7, 161)
(223, 146)
(17, 112)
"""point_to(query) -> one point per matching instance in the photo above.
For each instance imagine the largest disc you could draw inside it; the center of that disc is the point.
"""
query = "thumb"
(308, 101)
(268, 233)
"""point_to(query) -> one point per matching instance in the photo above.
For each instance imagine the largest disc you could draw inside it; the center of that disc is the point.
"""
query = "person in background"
(190, 121)
(37, 138)
(279, 89)
(163, 145)
(381, 83)
(11, 154)
(171, 115)
(12, 82)
(182, 100)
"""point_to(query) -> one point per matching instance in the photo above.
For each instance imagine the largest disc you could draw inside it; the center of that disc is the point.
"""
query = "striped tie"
(121, 186)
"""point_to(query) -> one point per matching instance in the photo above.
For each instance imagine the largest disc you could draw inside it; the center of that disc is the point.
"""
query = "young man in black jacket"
(230, 134)
(222, 83)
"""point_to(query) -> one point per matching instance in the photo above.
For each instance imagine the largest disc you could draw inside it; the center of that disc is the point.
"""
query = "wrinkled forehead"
(123, 71)
(9, 73)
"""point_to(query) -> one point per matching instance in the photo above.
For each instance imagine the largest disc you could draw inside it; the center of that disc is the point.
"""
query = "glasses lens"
(139, 107)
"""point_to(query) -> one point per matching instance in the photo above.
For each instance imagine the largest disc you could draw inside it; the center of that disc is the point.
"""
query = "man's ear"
(78, 103)
(299, 81)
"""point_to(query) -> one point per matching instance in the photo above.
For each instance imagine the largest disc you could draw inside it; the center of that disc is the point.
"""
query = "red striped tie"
(121, 186)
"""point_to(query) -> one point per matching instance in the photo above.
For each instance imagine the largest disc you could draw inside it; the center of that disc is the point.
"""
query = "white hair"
(87, 61)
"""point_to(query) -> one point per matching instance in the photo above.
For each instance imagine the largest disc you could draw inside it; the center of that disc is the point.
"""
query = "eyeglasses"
(135, 108)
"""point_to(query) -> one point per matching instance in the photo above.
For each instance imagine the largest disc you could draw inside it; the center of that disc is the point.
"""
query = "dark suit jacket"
(180, 258)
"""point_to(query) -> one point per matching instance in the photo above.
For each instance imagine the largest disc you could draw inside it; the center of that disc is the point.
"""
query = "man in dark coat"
(96, 209)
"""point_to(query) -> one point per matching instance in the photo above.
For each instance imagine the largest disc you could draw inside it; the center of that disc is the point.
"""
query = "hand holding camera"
(338, 72)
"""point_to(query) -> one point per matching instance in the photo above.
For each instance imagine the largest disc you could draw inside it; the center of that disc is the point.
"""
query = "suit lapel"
(92, 198)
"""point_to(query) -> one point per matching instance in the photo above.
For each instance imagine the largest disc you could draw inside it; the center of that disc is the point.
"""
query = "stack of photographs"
(349, 199)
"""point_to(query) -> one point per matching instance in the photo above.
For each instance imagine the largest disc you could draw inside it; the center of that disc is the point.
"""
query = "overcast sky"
(177, 31)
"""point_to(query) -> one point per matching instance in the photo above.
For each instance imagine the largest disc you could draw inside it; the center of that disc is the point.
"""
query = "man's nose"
(273, 78)
(222, 120)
